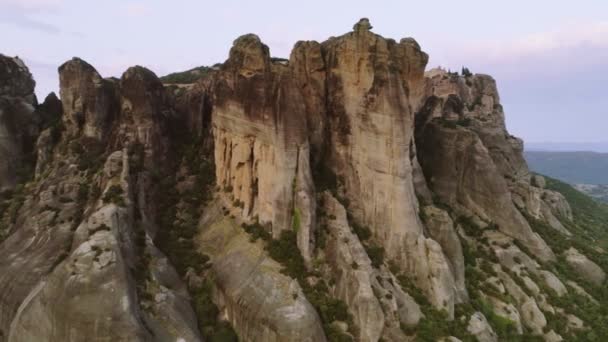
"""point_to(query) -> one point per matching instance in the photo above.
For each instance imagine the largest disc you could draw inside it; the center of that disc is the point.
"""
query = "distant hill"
(572, 167)
(601, 147)
(586, 171)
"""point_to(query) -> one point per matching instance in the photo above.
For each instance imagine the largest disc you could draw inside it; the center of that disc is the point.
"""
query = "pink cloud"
(136, 9)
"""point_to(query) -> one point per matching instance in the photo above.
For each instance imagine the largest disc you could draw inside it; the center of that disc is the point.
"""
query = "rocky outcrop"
(586, 268)
(466, 154)
(532, 316)
(404, 194)
(373, 84)
(82, 227)
(481, 329)
(89, 101)
(441, 229)
(253, 294)
(18, 126)
(261, 146)
(474, 99)
(353, 272)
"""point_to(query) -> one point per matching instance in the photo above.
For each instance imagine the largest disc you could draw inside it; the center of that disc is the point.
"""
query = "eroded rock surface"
(261, 302)
(132, 210)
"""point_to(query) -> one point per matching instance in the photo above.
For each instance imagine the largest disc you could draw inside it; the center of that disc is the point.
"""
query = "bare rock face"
(17, 119)
(393, 182)
(463, 157)
(261, 146)
(88, 100)
(64, 306)
(76, 228)
(481, 329)
(558, 204)
(373, 84)
(308, 66)
(587, 269)
(554, 283)
(542, 204)
(16, 79)
(261, 302)
(353, 271)
(476, 98)
(441, 229)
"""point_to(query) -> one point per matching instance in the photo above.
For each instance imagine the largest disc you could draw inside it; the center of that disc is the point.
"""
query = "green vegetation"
(325, 179)
(207, 314)
(589, 230)
(90, 153)
(178, 227)
(11, 202)
(114, 194)
(435, 323)
(449, 123)
(375, 253)
(186, 77)
(285, 251)
(297, 219)
(257, 231)
(466, 72)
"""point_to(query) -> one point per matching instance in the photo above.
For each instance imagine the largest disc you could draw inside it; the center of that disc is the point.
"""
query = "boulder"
(586, 268)
(481, 329)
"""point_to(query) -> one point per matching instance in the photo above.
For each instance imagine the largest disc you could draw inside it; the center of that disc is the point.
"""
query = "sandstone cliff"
(341, 195)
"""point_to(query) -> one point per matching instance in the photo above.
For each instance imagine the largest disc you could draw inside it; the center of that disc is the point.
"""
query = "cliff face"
(340, 195)
(81, 230)
(17, 125)
(260, 138)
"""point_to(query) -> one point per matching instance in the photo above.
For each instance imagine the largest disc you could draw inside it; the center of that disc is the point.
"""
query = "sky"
(549, 57)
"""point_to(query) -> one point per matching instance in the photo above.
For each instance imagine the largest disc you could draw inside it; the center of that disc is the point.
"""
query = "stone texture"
(353, 284)
(80, 251)
(253, 294)
(352, 125)
(17, 119)
(532, 317)
(89, 101)
(261, 146)
(481, 329)
(461, 172)
(373, 85)
(554, 283)
(441, 229)
(586, 268)
(469, 159)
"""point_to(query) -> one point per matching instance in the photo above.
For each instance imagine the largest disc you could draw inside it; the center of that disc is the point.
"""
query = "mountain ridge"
(342, 195)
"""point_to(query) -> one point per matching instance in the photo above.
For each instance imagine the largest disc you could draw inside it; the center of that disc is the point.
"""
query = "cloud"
(22, 20)
(136, 9)
(32, 5)
(20, 13)
(571, 48)
(572, 36)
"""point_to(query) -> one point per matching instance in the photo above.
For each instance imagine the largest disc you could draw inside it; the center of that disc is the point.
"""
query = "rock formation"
(18, 127)
(341, 195)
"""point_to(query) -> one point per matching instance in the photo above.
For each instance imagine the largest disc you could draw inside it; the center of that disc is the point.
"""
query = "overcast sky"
(550, 57)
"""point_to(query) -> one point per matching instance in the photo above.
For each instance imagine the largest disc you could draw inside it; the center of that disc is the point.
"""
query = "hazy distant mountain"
(587, 171)
(601, 147)
(572, 167)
